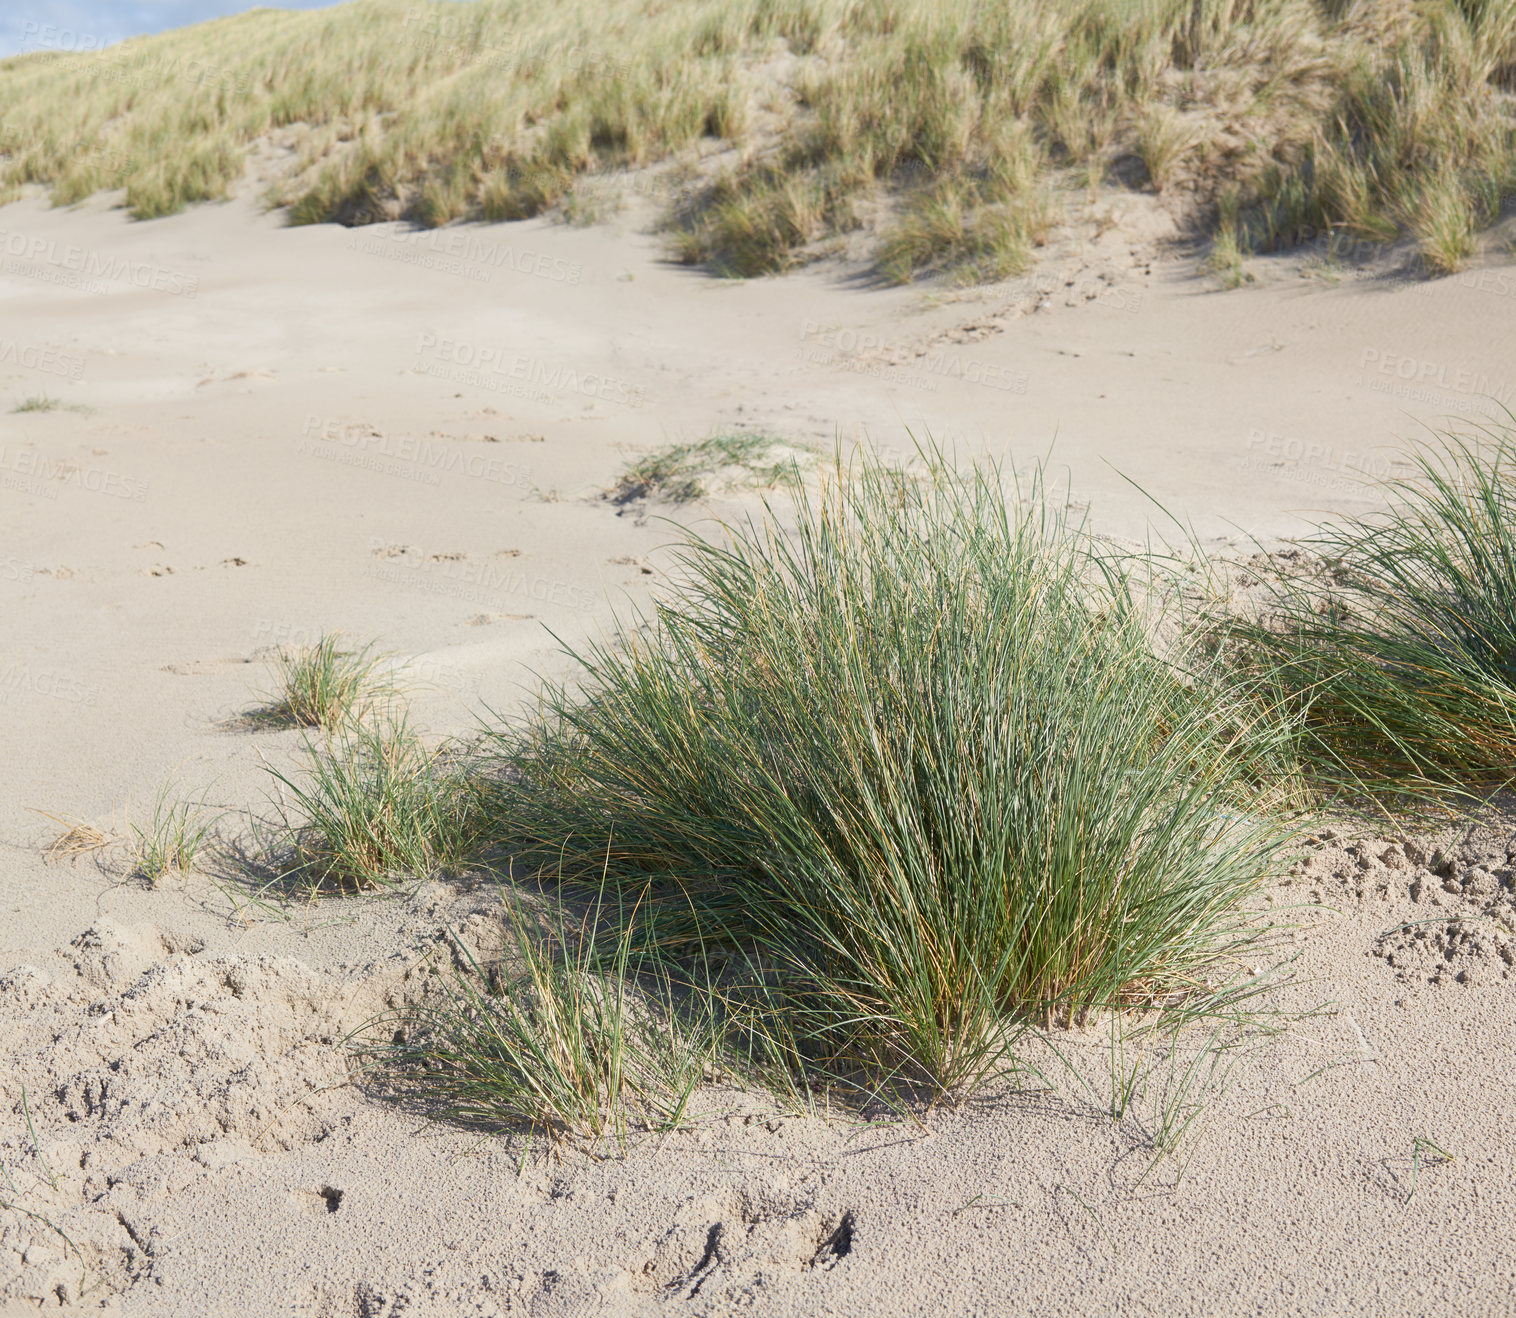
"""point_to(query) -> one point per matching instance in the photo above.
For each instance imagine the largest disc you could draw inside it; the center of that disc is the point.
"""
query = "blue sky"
(89, 24)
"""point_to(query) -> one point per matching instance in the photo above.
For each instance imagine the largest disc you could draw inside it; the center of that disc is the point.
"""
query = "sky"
(90, 24)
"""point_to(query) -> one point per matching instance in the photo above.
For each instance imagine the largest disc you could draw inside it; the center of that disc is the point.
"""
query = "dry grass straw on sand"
(1373, 118)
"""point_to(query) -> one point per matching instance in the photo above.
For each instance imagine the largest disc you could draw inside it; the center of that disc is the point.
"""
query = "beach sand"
(409, 438)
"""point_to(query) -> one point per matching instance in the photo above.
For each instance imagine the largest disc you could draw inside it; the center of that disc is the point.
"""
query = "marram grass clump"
(555, 1037)
(1396, 632)
(325, 684)
(912, 772)
(374, 808)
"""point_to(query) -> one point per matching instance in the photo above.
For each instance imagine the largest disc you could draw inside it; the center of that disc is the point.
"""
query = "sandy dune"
(408, 437)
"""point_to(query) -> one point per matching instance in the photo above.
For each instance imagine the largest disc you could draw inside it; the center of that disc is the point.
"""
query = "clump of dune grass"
(47, 403)
(564, 1037)
(1379, 120)
(1226, 259)
(681, 472)
(173, 837)
(324, 684)
(914, 769)
(1398, 637)
(1163, 141)
(372, 808)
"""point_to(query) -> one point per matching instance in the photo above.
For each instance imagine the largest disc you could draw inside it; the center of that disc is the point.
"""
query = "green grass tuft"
(46, 403)
(1397, 635)
(559, 1038)
(173, 838)
(324, 685)
(918, 760)
(373, 809)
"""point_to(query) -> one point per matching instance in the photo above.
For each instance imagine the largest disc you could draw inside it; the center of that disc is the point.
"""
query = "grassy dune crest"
(1270, 121)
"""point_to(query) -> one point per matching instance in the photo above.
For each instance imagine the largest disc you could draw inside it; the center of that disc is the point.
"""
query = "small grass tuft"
(1227, 257)
(679, 472)
(323, 685)
(1163, 141)
(373, 809)
(1424, 1153)
(560, 1038)
(46, 403)
(173, 837)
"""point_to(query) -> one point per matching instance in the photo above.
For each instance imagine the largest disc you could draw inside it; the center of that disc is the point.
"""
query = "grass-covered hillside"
(1267, 122)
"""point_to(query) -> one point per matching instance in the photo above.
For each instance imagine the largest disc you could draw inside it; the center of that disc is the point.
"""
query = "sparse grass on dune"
(47, 403)
(1399, 639)
(1376, 119)
(557, 1038)
(373, 808)
(173, 836)
(679, 472)
(324, 684)
(882, 786)
(914, 771)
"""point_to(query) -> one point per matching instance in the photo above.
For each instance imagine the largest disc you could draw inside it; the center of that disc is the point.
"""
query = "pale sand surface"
(174, 1056)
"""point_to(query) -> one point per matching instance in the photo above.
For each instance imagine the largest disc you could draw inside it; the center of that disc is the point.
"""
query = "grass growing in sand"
(174, 836)
(373, 808)
(46, 403)
(560, 1037)
(324, 685)
(1397, 634)
(914, 773)
(680, 472)
(963, 119)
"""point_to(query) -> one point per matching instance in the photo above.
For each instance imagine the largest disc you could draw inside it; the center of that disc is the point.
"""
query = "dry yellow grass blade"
(77, 838)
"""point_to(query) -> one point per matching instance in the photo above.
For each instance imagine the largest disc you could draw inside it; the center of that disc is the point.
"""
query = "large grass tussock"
(917, 759)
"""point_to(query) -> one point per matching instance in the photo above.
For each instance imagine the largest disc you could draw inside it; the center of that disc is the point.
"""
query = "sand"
(410, 438)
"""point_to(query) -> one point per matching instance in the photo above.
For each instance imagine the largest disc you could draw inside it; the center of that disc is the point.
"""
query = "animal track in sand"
(722, 1245)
